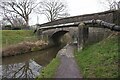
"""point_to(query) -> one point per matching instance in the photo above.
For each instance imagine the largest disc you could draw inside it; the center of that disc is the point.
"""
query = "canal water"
(28, 65)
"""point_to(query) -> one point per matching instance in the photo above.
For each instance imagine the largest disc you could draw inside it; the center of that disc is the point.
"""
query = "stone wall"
(97, 34)
(108, 16)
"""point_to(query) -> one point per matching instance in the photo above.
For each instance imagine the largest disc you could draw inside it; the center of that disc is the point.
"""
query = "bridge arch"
(55, 37)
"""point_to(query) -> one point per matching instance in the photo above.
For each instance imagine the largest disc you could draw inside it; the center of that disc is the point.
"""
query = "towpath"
(68, 67)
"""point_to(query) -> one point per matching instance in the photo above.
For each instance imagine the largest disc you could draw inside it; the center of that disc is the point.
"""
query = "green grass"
(15, 36)
(99, 60)
(50, 69)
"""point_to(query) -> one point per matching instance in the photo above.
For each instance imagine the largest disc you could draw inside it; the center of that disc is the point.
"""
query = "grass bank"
(15, 42)
(50, 69)
(99, 60)
(10, 37)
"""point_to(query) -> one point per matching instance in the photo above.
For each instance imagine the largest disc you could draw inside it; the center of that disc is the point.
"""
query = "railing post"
(82, 35)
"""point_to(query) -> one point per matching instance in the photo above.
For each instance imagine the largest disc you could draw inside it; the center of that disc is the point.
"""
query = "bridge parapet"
(108, 16)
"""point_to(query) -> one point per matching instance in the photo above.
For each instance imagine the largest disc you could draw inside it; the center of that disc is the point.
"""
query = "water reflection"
(28, 69)
(27, 65)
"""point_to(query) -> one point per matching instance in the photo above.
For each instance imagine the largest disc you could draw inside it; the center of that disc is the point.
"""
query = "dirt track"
(68, 67)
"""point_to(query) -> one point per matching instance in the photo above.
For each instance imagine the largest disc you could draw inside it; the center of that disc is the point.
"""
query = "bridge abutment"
(83, 32)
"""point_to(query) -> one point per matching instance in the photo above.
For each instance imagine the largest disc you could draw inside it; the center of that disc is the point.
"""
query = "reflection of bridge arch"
(55, 37)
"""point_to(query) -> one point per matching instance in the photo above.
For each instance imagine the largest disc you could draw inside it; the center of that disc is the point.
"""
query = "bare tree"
(22, 70)
(18, 21)
(111, 4)
(22, 8)
(14, 20)
(53, 9)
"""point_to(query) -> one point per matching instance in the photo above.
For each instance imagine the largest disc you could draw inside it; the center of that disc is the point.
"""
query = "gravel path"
(68, 67)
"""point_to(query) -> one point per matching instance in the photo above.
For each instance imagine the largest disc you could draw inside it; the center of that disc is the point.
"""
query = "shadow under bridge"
(55, 37)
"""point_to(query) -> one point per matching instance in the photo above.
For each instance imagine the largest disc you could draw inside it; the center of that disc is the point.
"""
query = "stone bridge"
(81, 24)
(54, 35)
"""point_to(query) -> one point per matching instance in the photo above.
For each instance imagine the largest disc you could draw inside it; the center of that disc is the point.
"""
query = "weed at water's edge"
(50, 69)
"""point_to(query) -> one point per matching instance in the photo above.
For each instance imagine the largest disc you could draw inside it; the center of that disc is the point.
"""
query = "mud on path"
(68, 67)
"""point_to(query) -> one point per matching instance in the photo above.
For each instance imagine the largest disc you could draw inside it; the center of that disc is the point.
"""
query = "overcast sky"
(75, 7)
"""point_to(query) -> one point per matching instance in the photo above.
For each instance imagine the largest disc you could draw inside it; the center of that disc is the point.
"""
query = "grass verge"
(50, 69)
(99, 60)
(15, 36)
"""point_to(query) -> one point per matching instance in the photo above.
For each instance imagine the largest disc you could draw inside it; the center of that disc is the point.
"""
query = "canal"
(28, 65)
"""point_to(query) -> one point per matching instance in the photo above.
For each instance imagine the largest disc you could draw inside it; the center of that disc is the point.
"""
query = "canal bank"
(28, 66)
(16, 42)
(24, 47)
(63, 66)
(100, 60)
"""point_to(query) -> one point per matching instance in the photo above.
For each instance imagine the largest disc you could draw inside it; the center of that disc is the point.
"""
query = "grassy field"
(99, 60)
(15, 36)
(50, 69)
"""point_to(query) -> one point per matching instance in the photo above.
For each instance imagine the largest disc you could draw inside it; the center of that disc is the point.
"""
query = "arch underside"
(55, 37)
